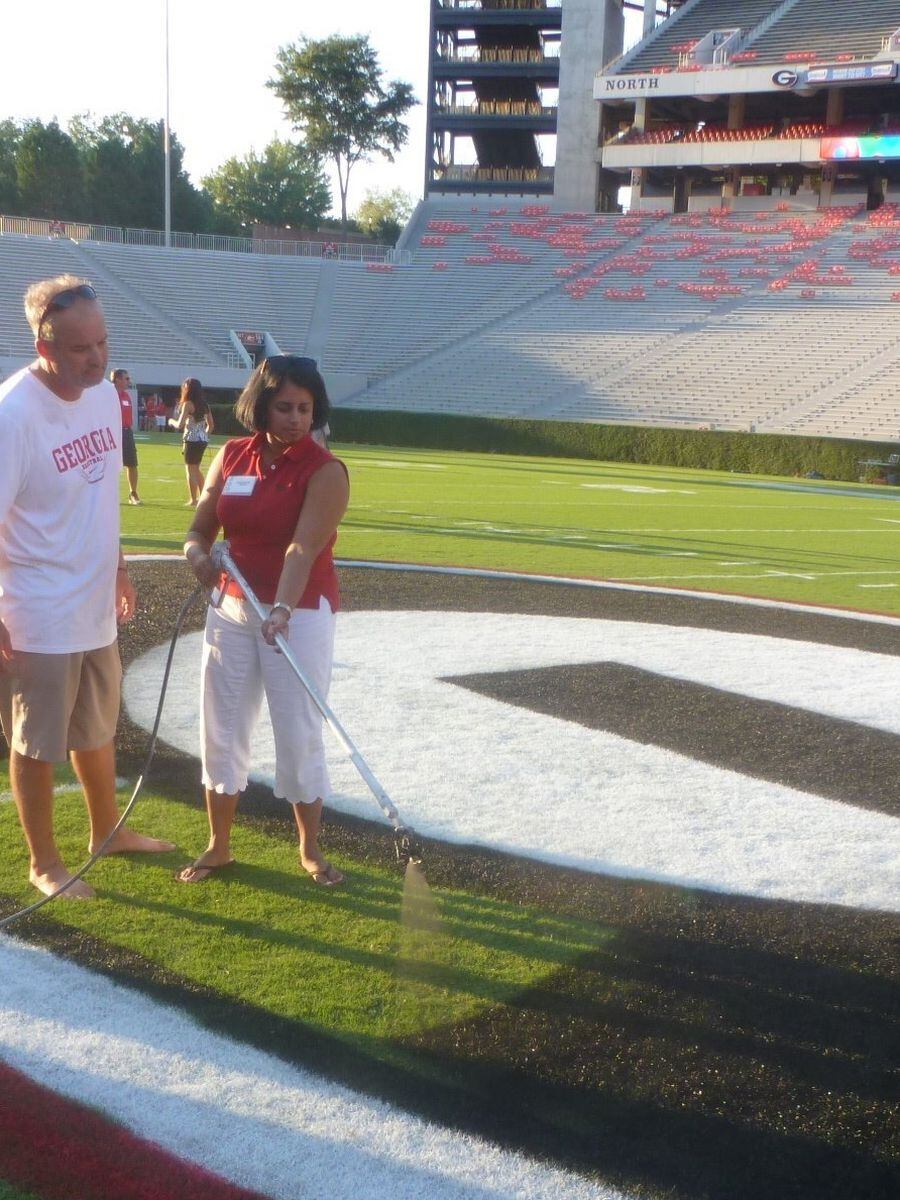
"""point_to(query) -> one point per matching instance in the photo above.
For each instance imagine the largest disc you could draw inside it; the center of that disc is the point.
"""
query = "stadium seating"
(416, 316)
(216, 292)
(668, 134)
(806, 31)
(811, 30)
(142, 334)
(166, 305)
(673, 37)
(783, 322)
(628, 353)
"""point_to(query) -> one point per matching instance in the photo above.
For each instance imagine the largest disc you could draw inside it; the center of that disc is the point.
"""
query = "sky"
(102, 56)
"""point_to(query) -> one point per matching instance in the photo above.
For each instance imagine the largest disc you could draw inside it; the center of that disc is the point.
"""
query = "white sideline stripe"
(770, 574)
(612, 502)
(207, 1098)
(611, 585)
(633, 531)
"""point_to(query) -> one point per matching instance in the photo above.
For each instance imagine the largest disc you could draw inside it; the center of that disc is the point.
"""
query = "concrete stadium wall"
(592, 32)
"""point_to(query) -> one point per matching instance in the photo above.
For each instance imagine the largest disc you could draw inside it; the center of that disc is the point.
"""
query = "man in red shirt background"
(122, 381)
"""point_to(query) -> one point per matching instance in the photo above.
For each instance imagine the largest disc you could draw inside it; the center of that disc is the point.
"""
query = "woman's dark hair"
(252, 408)
(192, 391)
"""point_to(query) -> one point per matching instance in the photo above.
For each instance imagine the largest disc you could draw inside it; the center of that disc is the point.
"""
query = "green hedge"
(754, 453)
(714, 450)
(226, 424)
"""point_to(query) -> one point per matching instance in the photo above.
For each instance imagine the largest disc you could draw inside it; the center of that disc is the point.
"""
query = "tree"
(9, 188)
(282, 186)
(383, 214)
(334, 94)
(123, 160)
(49, 173)
(108, 170)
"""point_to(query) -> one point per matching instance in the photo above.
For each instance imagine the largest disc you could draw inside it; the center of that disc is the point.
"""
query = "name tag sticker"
(239, 485)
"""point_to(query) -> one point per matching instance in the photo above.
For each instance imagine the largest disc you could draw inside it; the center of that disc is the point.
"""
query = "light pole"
(167, 184)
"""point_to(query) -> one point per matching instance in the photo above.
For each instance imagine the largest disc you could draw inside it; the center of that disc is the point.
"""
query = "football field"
(812, 542)
(657, 959)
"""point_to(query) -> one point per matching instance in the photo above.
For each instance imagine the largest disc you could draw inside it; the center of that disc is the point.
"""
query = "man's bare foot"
(126, 841)
(49, 882)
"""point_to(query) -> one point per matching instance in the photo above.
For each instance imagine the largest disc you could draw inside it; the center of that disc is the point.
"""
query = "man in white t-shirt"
(63, 581)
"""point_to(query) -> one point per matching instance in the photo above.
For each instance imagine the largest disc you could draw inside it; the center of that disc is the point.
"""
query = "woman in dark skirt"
(195, 422)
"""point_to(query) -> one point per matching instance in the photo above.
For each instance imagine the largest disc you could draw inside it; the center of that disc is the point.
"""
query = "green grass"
(818, 543)
(341, 961)
(344, 964)
(8, 1192)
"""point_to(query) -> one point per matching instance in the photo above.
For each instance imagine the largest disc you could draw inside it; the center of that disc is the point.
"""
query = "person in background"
(278, 497)
(122, 381)
(63, 580)
(194, 421)
(321, 435)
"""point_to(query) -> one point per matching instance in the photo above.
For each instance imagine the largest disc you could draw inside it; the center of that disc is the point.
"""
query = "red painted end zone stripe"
(58, 1149)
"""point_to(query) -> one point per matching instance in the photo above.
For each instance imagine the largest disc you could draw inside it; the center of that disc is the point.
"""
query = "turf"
(810, 542)
(724, 1047)
(343, 961)
(8, 1192)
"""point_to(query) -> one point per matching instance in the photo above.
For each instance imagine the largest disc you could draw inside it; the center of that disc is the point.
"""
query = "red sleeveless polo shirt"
(260, 526)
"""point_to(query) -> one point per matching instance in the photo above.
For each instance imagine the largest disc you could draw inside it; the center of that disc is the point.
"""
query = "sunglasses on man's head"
(65, 299)
(290, 360)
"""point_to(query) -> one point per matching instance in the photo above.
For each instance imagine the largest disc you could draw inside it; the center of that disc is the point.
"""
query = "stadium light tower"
(167, 154)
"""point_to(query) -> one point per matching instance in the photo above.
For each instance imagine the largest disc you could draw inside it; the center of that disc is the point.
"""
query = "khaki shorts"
(53, 703)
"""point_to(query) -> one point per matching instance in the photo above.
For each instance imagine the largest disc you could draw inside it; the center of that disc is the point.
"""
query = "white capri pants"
(238, 668)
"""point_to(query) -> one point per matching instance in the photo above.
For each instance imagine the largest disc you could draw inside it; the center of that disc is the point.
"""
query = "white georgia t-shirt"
(59, 515)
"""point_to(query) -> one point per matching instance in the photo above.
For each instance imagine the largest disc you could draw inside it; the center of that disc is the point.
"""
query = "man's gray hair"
(41, 294)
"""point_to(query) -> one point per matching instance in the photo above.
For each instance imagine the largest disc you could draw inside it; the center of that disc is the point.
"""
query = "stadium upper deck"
(730, 101)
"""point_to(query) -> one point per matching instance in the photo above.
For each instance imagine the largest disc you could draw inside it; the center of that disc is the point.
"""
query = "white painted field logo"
(465, 767)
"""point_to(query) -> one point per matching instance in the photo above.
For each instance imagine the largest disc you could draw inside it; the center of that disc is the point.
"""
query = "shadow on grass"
(439, 965)
(665, 1065)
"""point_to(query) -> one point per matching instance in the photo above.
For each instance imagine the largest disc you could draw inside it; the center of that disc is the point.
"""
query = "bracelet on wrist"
(284, 607)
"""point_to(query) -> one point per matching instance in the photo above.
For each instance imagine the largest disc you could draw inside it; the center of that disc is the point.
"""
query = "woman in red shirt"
(278, 498)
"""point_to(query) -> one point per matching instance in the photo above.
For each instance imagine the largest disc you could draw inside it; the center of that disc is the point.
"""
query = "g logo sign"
(786, 78)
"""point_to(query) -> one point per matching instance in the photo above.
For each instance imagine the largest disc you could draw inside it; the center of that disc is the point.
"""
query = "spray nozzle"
(406, 846)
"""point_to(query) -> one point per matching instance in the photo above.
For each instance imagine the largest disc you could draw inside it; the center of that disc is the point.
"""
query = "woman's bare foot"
(126, 841)
(49, 882)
